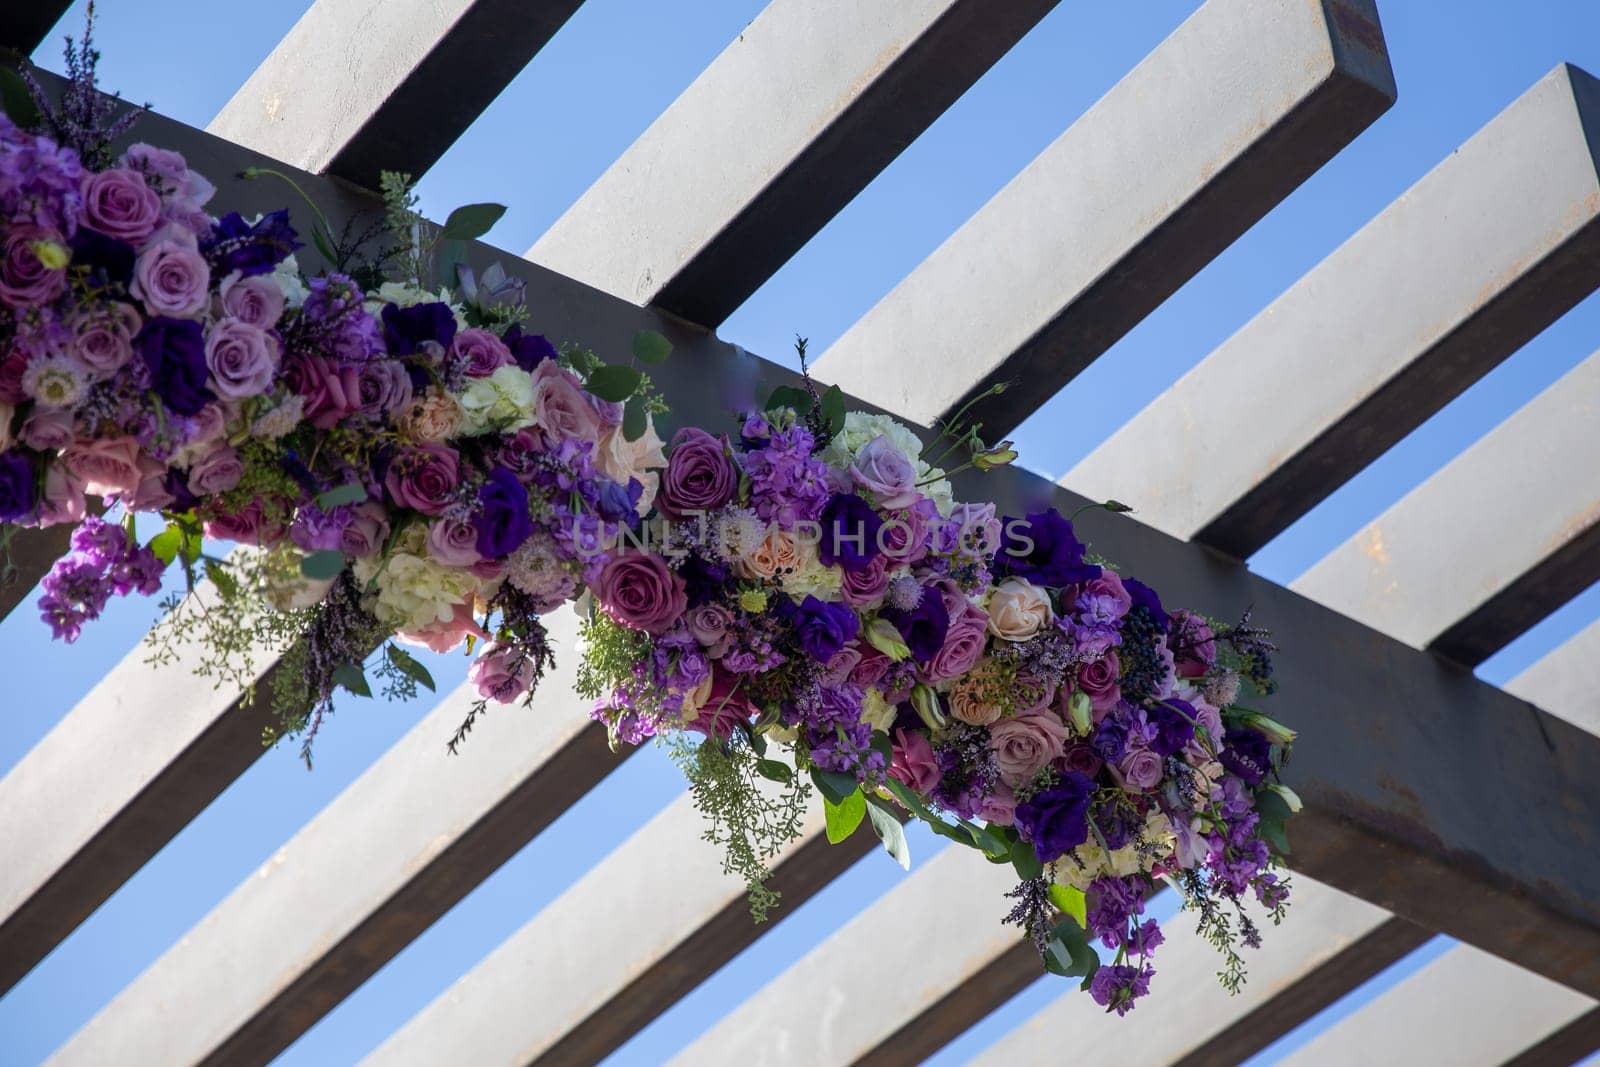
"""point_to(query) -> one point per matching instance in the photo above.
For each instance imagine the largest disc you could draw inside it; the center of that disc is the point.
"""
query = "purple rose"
(972, 530)
(1056, 820)
(247, 526)
(850, 529)
(242, 359)
(641, 592)
(823, 628)
(254, 299)
(865, 588)
(726, 705)
(174, 350)
(924, 627)
(914, 765)
(48, 429)
(1103, 599)
(503, 521)
(453, 542)
(367, 530)
(120, 203)
(886, 472)
(17, 492)
(1043, 549)
(709, 625)
(1099, 680)
(171, 278)
(24, 280)
(1080, 757)
(104, 342)
(480, 352)
(331, 389)
(382, 387)
(1139, 770)
(215, 472)
(699, 476)
(424, 478)
(964, 643)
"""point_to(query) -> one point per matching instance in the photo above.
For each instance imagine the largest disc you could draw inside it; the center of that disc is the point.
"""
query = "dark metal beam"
(792, 120)
(361, 86)
(31, 553)
(25, 24)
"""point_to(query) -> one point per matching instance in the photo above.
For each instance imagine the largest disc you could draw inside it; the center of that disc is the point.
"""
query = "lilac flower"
(1111, 903)
(787, 484)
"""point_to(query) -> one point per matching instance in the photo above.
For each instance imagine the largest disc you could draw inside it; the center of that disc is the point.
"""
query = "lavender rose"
(964, 643)
(104, 342)
(1194, 647)
(171, 278)
(1139, 770)
(257, 299)
(480, 352)
(1025, 745)
(24, 279)
(366, 532)
(709, 625)
(120, 203)
(641, 592)
(866, 588)
(1099, 680)
(501, 674)
(453, 542)
(47, 429)
(215, 472)
(560, 407)
(424, 478)
(914, 765)
(331, 390)
(382, 388)
(241, 358)
(107, 466)
(699, 476)
(886, 472)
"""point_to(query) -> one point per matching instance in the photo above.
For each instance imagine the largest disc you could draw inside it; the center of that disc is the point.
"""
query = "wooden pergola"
(1399, 839)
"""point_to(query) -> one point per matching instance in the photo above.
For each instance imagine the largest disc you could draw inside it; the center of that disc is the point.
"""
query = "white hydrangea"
(861, 429)
(876, 711)
(287, 277)
(415, 592)
(813, 577)
(501, 402)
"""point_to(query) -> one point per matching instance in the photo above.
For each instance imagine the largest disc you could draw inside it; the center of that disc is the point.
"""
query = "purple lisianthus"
(503, 521)
(174, 350)
(850, 528)
(1174, 722)
(1146, 598)
(1247, 753)
(1043, 549)
(822, 627)
(108, 259)
(236, 245)
(528, 349)
(1056, 819)
(406, 330)
(17, 496)
(923, 626)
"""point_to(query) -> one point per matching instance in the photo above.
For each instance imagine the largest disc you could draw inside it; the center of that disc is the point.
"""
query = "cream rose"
(621, 459)
(968, 704)
(777, 551)
(1018, 610)
(433, 416)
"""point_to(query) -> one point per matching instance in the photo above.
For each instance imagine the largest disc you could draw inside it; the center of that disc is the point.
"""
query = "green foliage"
(407, 665)
(887, 826)
(1070, 902)
(351, 677)
(16, 101)
(323, 564)
(613, 382)
(471, 221)
(1068, 952)
(844, 816)
(349, 493)
(834, 786)
(651, 346)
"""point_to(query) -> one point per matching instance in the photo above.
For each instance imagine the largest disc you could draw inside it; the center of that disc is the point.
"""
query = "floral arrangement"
(794, 601)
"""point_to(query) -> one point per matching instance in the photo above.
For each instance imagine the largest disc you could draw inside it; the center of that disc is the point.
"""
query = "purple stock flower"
(1056, 819)
(236, 245)
(1116, 988)
(823, 628)
(923, 627)
(174, 350)
(17, 489)
(405, 330)
(850, 528)
(1043, 549)
(503, 522)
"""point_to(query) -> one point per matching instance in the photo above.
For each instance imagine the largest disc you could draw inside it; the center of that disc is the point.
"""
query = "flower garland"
(799, 601)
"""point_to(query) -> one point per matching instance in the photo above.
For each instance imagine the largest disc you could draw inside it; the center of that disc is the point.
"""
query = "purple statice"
(1112, 903)
(787, 483)
(104, 562)
(248, 248)
(1116, 988)
(968, 771)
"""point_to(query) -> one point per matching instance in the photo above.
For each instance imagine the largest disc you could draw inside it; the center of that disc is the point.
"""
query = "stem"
(253, 172)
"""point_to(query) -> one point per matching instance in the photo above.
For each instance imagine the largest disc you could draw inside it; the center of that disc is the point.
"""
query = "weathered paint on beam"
(591, 991)
(1566, 682)
(361, 86)
(413, 835)
(24, 24)
(1225, 118)
(875, 990)
(1486, 250)
(790, 122)
(1464, 1007)
(1507, 532)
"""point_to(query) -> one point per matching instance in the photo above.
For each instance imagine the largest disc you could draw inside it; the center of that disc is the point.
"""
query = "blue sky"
(598, 84)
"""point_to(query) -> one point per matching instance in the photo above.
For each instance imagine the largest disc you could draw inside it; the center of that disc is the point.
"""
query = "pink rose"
(641, 592)
(104, 343)
(501, 674)
(726, 705)
(106, 466)
(120, 203)
(836, 671)
(47, 429)
(480, 351)
(884, 471)
(699, 476)
(964, 643)
(383, 387)
(171, 278)
(247, 526)
(24, 281)
(424, 478)
(560, 407)
(1138, 771)
(63, 496)
(215, 472)
(871, 668)
(1099, 679)
(444, 636)
(453, 543)
(1025, 745)
(331, 390)
(257, 299)
(152, 494)
(914, 764)
(367, 530)
(866, 587)
(999, 807)
(242, 359)
(709, 625)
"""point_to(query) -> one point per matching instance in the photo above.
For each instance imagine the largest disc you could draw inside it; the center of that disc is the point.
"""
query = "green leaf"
(1071, 902)
(349, 675)
(226, 584)
(883, 745)
(774, 771)
(635, 420)
(407, 664)
(833, 408)
(651, 346)
(889, 831)
(326, 563)
(471, 221)
(612, 382)
(758, 742)
(990, 843)
(843, 818)
(348, 493)
(452, 255)
(789, 396)
(16, 101)
(834, 786)
(1025, 860)
(1069, 953)
(1271, 807)
(324, 245)
(167, 544)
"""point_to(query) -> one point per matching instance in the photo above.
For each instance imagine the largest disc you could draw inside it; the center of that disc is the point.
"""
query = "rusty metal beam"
(1235, 109)
(1492, 543)
(1486, 250)
(804, 108)
(361, 86)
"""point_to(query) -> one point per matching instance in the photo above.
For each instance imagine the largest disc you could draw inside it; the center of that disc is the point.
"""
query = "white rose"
(287, 276)
(502, 402)
(1018, 609)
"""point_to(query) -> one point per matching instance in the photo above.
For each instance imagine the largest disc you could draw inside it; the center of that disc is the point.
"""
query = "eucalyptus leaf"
(323, 564)
(833, 408)
(651, 346)
(843, 818)
(889, 831)
(1070, 902)
(789, 396)
(774, 770)
(612, 382)
(1081, 958)
(471, 221)
(1025, 860)
(348, 493)
(635, 420)
(407, 664)
(834, 786)
(349, 676)
(450, 265)
(16, 100)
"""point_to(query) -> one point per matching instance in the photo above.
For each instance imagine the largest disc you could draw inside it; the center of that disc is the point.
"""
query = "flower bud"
(52, 255)
(1080, 711)
(998, 456)
(883, 636)
(1275, 731)
(1290, 797)
(926, 701)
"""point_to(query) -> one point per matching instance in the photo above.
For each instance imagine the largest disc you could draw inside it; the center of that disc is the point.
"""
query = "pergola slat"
(361, 86)
(783, 129)
(409, 838)
(25, 25)
(1225, 118)
(1486, 250)
(1565, 681)
(1464, 1007)
(1442, 570)
(594, 991)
